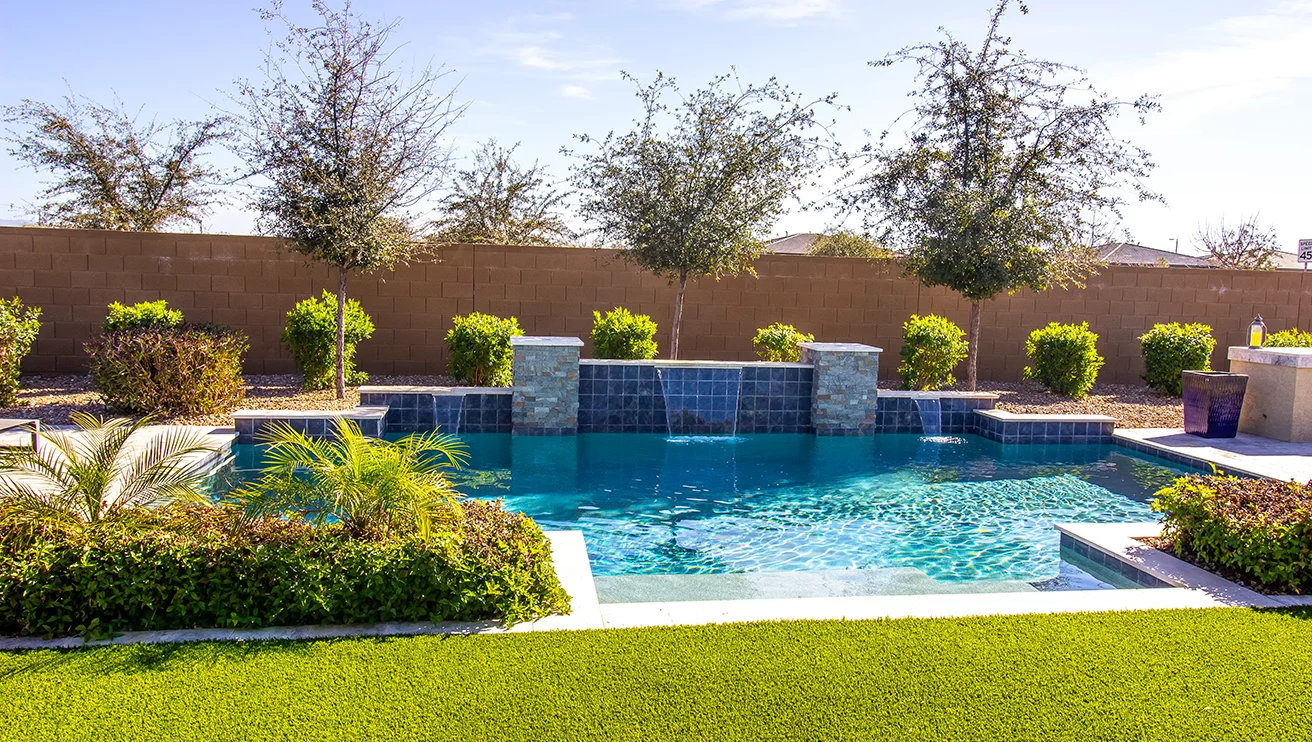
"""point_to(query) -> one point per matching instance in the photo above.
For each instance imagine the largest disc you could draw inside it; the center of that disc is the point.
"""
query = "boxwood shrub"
(141, 315)
(311, 335)
(1170, 349)
(479, 348)
(778, 342)
(181, 568)
(931, 347)
(1260, 528)
(623, 335)
(189, 369)
(1064, 358)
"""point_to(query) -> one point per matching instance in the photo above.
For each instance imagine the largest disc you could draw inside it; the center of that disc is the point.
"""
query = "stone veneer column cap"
(841, 347)
(546, 340)
(1293, 357)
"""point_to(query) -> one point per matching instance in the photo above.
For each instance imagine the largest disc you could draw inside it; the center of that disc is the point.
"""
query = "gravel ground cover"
(53, 398)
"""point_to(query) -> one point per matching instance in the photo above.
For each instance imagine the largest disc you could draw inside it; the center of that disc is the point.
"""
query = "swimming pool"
(796, 515)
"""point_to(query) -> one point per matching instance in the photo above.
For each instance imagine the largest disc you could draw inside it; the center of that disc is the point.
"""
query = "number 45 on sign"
(1305, 252)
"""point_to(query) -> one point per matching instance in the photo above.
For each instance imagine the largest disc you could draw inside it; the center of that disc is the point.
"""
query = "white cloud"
(550, 52)
(575, 91)
(778, 11)
(1238, 60)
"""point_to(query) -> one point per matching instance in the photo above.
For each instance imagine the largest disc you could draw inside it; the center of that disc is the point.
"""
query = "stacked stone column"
(844, 397)
(546, 385)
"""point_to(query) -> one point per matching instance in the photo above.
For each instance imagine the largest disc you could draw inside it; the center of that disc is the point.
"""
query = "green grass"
(1177, 675)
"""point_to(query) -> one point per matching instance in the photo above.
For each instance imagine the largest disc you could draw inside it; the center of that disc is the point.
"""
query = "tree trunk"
(972, 356)
(678, 317)
(341, 334)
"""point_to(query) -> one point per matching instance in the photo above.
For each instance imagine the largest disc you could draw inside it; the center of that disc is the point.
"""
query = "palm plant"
(365, 483)
(96, 473)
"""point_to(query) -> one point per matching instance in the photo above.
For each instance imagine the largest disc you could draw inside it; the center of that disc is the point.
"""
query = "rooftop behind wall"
(247, 283)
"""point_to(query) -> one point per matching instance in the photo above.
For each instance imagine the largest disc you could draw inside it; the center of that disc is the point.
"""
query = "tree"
(696, 199)
(111, 171)
(498, 203)
(341, 146)
(1009, 167)
(1244, 247)
(848, 244)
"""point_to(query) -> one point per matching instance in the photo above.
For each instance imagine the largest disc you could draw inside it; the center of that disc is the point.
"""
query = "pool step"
(758, 585)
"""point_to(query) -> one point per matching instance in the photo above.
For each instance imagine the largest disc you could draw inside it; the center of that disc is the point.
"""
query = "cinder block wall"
(247, 283)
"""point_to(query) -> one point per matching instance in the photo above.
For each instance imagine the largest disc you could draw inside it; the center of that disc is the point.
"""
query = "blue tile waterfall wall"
(1051, 430)
(897, 413)
(620, 398)
(629, 397)
(700, 400)
(450, 410)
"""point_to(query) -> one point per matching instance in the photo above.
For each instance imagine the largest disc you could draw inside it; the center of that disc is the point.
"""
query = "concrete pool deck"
(1244, 454)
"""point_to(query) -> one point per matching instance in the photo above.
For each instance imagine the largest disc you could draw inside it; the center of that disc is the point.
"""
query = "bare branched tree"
(497, 202)
(1010, 167)
(693, 189)
(339, 145)
(111, 170)
(1245, 246)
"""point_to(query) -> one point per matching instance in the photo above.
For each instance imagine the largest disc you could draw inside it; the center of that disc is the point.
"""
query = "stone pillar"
(546, 386)
(1278, 400)
(843, 397)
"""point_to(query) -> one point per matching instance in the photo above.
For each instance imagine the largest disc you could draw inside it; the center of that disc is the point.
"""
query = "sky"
(1233, 77)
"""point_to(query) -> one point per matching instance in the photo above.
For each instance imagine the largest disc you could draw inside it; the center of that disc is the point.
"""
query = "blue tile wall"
(486, 413)
(901, 415)
(249, 429)
(775, 399)
(1103, 559)
(1045, 431)
(701, 401)
(620, 398)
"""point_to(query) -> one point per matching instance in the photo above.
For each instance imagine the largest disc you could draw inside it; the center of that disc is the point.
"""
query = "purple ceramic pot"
(1212, 400)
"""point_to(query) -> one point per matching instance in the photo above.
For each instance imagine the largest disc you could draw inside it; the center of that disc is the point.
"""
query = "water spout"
(931, 415)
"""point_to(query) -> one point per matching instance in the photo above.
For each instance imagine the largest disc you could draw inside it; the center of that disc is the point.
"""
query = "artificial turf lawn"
(1178, 675)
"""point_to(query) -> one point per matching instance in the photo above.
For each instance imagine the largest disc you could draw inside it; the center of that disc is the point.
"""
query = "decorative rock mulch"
(1132, 405)
(52, 399)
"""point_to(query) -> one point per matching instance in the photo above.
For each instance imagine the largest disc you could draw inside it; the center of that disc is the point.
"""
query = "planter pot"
(1212, 400)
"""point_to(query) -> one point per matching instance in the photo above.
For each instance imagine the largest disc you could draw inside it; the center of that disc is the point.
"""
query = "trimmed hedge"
(311, 335)
(1065, 358)
(1292, 338)
(180, 568)
(1171, 349)
(141, 315)
(778, 342)
(480, 352)
(189, 369)
(1260, 528)
(19, 326)
(622, 335)
(931, 347)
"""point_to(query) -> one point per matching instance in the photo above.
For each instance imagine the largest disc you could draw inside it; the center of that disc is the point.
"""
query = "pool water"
(795, 515)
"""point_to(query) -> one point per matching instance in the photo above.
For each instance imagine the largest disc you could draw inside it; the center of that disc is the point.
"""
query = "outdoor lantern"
(1257, 333)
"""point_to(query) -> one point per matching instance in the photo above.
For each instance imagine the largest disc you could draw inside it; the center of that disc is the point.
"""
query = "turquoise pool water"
(955, 510)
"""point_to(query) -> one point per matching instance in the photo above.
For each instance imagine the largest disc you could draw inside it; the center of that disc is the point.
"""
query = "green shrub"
(1260, 528)
(311, 335)
(177, 370)
(1170, 349)
(931, 347)
(479, 348)
(138, 316)
(1065, 358)
(1291, 338)
(778, 342)
(19, 326)
(182, 568)
(623, 335)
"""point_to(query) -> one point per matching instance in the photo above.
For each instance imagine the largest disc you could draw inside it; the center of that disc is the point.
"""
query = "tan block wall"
(247, 283)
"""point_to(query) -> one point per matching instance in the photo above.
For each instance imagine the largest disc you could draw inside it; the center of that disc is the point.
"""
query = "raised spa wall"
(831, 392)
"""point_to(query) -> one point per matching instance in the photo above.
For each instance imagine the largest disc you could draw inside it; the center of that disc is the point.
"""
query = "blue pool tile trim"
(775, 399)
(1107, 561)
(455, 412)
(486, 413)
(249, 429)
(1175, 457)
(901, 415)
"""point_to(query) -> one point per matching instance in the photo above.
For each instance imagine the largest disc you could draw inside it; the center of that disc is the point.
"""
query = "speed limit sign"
(1305, 251)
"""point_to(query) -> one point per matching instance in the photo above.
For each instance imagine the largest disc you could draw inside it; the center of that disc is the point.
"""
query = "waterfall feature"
(701, 400)
(447, 412)
(931, 415)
